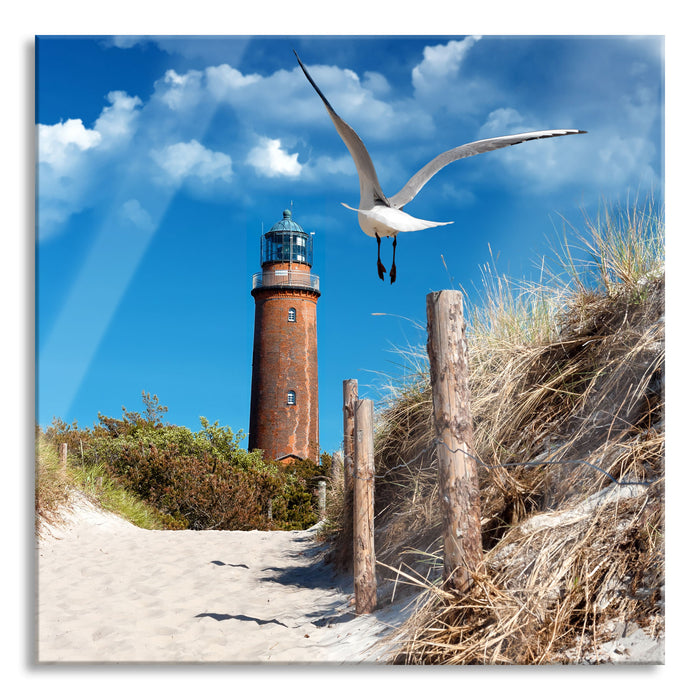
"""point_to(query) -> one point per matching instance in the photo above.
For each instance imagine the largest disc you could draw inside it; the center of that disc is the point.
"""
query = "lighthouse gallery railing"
(286, 278)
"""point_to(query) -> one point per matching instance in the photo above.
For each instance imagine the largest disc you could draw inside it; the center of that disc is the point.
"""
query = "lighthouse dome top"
(286, 223)
(287, 242)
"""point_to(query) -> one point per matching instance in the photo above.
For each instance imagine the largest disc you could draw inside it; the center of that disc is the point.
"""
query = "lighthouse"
(284, 385)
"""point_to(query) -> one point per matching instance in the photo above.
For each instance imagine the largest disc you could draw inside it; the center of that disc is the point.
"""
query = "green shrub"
(196, 480)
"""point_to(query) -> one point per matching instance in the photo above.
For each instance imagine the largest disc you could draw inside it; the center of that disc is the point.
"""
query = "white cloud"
(376, 83)
(271, 160)
(443, 87)
(125, 41)
(181, 160)
(440, 65)
(641, 107)
(602, 159)
(624, 159)
(148, 148)
(212, 49)
(74, 160)
(180, 92)
(222, 80)
(325, 165)
(117, 121)
(133, 213)
(501, 122)
(359, 104)
(536, 165)
(59, 143)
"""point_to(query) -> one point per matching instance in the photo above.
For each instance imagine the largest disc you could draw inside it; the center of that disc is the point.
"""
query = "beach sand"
(111, 592)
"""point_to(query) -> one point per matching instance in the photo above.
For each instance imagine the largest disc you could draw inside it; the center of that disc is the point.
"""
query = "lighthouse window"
(291, 398)
(292, 315)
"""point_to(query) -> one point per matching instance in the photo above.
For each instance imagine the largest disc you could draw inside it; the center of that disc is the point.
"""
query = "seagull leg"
(380, 268)
(392, 274)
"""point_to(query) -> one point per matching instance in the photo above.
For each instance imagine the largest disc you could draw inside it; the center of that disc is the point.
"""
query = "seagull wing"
(415, 184)
(370, 189)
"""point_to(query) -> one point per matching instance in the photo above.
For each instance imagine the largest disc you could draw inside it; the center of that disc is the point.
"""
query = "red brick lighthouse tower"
(284, 387)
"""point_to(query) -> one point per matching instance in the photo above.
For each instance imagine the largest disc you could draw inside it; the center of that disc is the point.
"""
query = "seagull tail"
(396, 219)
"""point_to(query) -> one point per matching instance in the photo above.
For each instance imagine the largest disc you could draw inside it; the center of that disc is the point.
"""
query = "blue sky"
(161, 161)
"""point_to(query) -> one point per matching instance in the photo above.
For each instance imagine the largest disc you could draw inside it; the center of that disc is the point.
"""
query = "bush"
(196, 480)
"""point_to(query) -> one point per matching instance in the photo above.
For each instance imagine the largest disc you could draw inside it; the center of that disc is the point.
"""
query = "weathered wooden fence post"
(363, 550)
(349, 398)
(457, 475)
(63, 458)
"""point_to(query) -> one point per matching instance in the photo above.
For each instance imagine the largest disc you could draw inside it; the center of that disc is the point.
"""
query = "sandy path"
(112, 592)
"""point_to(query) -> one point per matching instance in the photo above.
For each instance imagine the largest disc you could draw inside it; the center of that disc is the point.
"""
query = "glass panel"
(284, 247)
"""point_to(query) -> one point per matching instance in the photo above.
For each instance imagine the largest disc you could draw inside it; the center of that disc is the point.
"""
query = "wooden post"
(363, 549)
(457, 475)
(349, 398)
(63, 458)
(321, 500)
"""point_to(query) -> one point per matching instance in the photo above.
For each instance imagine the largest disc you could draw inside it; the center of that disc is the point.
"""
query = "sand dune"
(111, 592)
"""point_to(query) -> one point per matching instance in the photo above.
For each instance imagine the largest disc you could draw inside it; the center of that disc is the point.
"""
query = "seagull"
(381, 216)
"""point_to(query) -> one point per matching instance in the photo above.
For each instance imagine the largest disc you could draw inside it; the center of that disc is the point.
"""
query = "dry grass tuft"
(548, 587)
(567, 384)
(52, 484)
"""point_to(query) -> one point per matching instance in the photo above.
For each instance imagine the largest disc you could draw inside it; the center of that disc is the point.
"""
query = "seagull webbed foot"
(392, 274)
(380, 268)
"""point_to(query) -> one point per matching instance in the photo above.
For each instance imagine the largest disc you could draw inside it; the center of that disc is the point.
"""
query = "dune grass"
(94, 481)
(52, 483)
(565, 372)
(53, 486)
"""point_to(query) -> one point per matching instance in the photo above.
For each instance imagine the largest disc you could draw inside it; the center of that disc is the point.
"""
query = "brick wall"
(284, 359)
